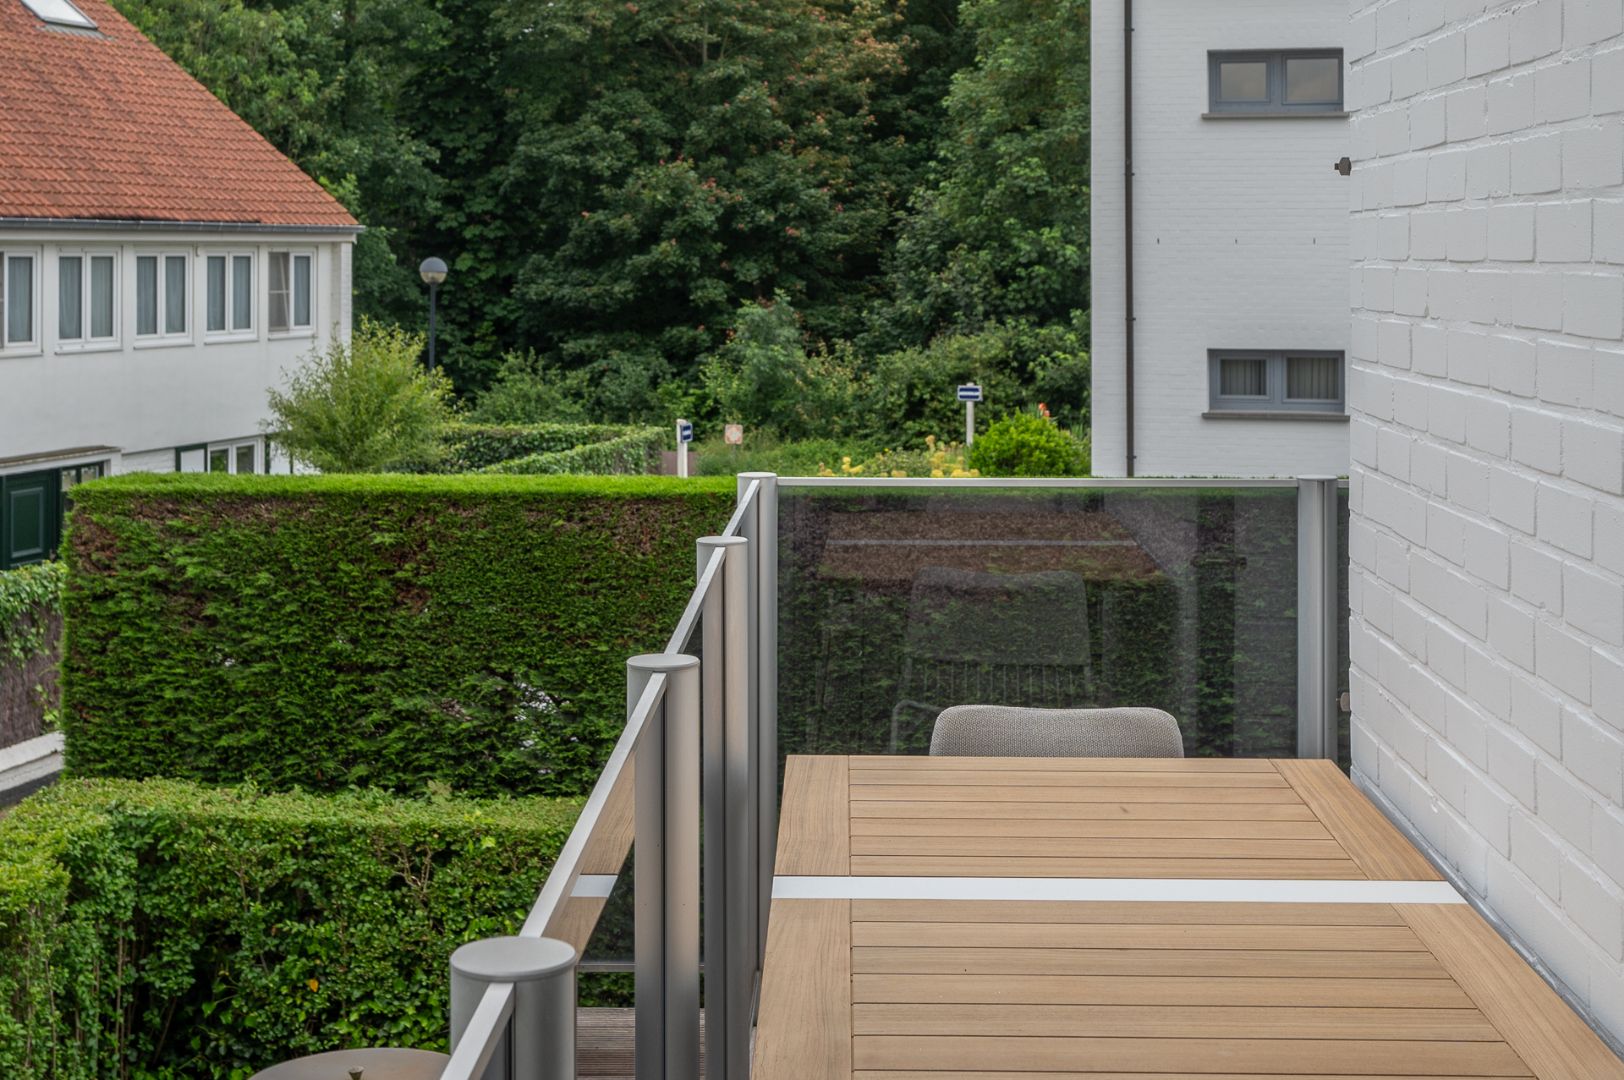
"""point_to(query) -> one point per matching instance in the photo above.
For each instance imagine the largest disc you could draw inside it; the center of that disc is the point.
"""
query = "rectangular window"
(87, 298)
(16, 300)
(230, 282)
(289, 281)
(241, 458)
(160, 296)
(1296, 381)
(1284, 83)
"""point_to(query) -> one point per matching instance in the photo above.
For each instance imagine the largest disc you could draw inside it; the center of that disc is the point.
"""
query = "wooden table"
(1044, 919)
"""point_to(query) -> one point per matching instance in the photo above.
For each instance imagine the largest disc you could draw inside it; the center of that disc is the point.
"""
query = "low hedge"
(30, 643)
(472, 447)
(163, 930)
(631, 454)
(385, 631)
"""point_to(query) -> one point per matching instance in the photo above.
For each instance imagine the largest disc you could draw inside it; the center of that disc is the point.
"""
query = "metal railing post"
(540, 1040)
(764, 630)
(1317, 613)
(729, 900)
(666, 853)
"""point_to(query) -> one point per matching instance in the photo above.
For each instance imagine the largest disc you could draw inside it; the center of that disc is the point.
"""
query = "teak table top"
(1056, 919)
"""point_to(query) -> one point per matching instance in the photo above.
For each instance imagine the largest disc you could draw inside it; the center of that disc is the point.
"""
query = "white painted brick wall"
(1241, 234)
(1488, 456)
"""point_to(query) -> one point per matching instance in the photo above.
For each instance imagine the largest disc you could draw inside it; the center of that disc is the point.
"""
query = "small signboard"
(685, 431)
(733, 434)
(970, 392)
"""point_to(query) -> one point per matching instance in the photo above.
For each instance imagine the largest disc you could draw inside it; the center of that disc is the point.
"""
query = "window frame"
(293, 329)
(1276, 105)
(229, 447)
(85, 343)
(36, 282)
(188, 294)
(230, 333)
(1275, 402)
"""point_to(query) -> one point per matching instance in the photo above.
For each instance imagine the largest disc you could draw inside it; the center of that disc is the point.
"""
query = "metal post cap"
(657, 662)
(381, 1063)
(721, 541)
(513, 959)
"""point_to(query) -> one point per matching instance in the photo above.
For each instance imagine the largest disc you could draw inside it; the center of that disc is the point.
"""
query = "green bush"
(472, 447)
(30, 631)
(163, 930)
(527, 390)
(318, 632)
(1024, 444)
(632, 454)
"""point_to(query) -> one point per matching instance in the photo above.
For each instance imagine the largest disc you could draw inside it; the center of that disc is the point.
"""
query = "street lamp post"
(432, 271)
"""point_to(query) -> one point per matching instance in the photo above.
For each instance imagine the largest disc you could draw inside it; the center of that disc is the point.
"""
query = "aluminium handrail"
(1080, 482)
(475, 1051)
(696, 603)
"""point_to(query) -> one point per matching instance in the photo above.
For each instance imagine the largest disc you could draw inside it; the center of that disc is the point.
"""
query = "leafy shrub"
(30, 629)
(764, 453)
(163, 930)
(318, 632)
(472, 447)
(633, 454)
(363, 406)
(527, 390)
(765, 378)
(1026, 444)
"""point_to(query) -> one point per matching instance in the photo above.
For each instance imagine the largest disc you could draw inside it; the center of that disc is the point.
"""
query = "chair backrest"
(1002, 731)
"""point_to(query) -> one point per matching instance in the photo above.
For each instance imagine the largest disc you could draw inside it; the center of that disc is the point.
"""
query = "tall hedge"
(30, 642)
(163, 930)
(387, 631)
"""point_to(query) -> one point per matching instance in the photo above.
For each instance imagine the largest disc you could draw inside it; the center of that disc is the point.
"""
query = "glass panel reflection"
(1243, 80)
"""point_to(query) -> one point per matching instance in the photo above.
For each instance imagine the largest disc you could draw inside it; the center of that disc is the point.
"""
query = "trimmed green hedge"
(30, 629)
(387, 631)
(631, 454)
(472, 447)
(164, 930)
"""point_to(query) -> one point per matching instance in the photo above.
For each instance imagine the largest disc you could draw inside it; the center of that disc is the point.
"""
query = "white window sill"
(161, 341)
(75, 348)
(1275, 414)
(296, 333)
(20, 351)
(219, 338)
(1278, 114)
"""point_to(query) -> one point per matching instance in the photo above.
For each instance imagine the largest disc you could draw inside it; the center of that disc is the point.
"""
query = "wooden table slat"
(1027, 935)
(1160, 913)
(1018, 793)
(814, 839)
(1185, 963)
(1169, 829)
(1099, 847)
(1163, 991)
(1202, 766)
(1194, 810)
(1006, 776)
(803, 1025)
(1548, 1034)
(1373, 841)
(1039, 866)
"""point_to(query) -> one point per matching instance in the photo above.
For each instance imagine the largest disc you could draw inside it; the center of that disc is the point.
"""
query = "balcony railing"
(837, 615)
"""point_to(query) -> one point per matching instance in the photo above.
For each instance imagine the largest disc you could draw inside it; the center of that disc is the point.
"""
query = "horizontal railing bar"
(560, 883)
(484, 1032)
(736, 522)
(1084, 482)
(696, 601)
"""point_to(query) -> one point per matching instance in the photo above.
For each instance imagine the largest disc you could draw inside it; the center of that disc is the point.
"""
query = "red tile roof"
(108, 127)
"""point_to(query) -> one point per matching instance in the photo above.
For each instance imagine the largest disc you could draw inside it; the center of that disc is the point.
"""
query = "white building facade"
(1487, 438)
(1239, 227)
(161, 266)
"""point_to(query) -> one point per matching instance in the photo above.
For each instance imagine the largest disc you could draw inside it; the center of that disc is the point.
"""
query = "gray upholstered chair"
(1002, 731)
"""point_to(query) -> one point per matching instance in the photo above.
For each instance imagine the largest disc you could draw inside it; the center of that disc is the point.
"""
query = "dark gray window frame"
(1275, 105)
(1274, 403)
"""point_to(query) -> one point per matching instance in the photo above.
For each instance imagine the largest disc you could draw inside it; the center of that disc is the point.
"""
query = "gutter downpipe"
(1127, 216)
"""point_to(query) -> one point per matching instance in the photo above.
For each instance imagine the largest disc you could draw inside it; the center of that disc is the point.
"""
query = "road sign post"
(969, 393)
(685, 435)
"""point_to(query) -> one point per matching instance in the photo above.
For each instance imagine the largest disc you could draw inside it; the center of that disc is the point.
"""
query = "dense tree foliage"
(614, 181)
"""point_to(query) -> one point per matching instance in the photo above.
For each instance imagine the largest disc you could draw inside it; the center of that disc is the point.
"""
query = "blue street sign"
(969, 392)
(685, 432)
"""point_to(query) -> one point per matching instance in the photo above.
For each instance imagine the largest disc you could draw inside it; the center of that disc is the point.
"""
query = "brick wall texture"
(1487, 440)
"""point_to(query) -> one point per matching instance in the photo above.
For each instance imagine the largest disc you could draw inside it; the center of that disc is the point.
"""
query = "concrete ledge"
(1274, 414)
(29, 766)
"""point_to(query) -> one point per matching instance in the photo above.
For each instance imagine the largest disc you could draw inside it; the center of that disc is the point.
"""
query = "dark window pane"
(245, 458)
(101, 296)
(174, 294)
(146, 294)
(1243, 376)
(70, 308)
(217, 292)
(220, 460)
(19, 292)
(1313, 378)
(277, 269)
(1243, 80)
(301, 290)
(242, 292)
(1313, 80)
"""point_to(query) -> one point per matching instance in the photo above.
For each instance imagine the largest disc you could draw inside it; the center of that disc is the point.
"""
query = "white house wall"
(1487, 491)
(1240, 238)
(148, 398)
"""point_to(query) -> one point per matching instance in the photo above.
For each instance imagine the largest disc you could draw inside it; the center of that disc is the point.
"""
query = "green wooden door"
(29, 524)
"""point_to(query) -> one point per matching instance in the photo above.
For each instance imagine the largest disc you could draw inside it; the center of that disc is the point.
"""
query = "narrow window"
(146, 294)
(17, 301)
(220, 459)
(245, 458)
(277, 319)
(101, 296)
(217, 293)
(301, 290)
(70, 321)
(174, 294)
(242, 292)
